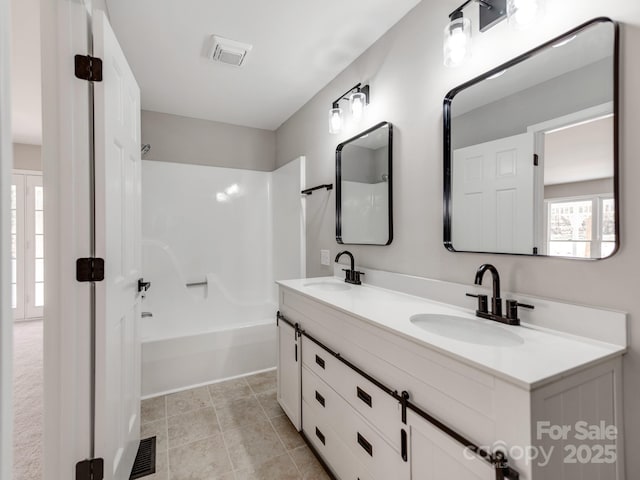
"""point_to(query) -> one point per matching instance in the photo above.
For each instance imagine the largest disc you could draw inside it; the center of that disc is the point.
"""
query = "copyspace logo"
(515, 453)
(579, 443)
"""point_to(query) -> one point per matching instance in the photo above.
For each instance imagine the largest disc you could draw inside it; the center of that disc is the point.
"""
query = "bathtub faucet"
(351, 274)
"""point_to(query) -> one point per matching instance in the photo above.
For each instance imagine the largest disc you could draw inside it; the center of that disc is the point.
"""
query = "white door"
(27, 246)
(118, 236)
(6, 324)
(493, 196)
(289, 372)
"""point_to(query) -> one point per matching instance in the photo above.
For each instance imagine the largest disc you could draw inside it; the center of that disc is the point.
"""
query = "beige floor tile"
(224, 392)
(156, 429)
(153, 409)
(205, 459)
(287, 432)
(262, 382)
(240, 412)
(252, 445)
(278, 468)
(269, 402)
(191, 426)
(162, 466)
(187, 401)
(308, 464)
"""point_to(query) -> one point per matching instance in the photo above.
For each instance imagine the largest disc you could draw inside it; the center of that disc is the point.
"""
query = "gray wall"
(361, 164)
(188, 140)
(27, 157)
(408, 84)
(574, 91)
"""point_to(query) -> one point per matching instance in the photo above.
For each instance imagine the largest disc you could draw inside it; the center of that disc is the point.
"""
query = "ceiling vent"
(229, 51)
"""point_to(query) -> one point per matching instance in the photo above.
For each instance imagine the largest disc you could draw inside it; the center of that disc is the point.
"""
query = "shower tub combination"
(214, 242)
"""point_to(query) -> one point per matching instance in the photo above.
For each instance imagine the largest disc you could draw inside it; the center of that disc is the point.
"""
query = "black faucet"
(351, 275)
(496, 301)
(511, 317)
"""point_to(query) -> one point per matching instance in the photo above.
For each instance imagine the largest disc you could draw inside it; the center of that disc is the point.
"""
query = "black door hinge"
(88, 68)
(90, 269)
(535, 250)
(535, 159)
(92, 469)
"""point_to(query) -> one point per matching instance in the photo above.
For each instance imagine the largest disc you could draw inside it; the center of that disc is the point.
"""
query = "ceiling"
(298, 47)
(590, 46)
(26, 84)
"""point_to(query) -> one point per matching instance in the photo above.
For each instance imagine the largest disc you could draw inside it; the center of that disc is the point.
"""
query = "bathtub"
(173, 363)
(194, 335)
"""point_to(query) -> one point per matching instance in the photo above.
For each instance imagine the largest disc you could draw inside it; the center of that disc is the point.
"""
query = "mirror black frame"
(447, 200)
(339, 188)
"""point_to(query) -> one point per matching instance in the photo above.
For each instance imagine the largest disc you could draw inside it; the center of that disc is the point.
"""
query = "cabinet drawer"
(364, 442)
(374, 404)
(330, 447)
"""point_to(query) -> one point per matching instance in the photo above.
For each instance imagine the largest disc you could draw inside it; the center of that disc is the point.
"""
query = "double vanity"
(386, 385)
(408, 378)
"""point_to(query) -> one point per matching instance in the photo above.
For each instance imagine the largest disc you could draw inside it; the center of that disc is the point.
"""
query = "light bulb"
(522, 13)
(335, 120)
(457, 41)
(358, 101)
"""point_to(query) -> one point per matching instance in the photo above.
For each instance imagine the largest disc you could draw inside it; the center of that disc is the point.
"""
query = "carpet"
(27, 400)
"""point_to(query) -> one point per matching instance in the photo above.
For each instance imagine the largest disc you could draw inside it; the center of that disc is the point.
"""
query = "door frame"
(66, 150)
(539, 130)
(6, 315)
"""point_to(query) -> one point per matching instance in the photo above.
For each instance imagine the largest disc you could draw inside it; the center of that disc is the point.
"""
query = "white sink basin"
(468, 330)
(329, 286)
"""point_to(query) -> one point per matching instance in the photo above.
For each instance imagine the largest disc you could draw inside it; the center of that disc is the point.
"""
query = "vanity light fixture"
(358, 98)
(457, 33)
(522, 13)
(457, 40)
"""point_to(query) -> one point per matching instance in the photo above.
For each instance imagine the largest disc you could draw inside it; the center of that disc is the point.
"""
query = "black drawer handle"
(320, 435)
(403, 442)
(364, 444)
(319, 398)
(320, 361)
(364, 396)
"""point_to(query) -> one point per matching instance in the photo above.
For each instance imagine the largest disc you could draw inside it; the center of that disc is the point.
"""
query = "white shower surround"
(240, 230)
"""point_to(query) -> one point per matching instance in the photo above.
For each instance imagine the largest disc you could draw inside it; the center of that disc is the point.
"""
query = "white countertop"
(537, 357)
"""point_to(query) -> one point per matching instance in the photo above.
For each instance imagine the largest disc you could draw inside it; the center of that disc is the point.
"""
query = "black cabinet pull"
(364, 396)
(319, 398)
(320, 435)
(296, 352)
(320, 361)
(364, 444)
(403, 443)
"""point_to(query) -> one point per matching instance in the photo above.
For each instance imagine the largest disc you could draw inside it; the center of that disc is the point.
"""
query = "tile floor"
(234, 430)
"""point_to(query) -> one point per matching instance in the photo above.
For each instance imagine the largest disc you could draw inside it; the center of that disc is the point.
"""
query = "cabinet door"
(434, 455)
(289, 395)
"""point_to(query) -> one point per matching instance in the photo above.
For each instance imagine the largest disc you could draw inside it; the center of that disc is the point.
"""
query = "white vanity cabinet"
(351, 374)
(289, 394)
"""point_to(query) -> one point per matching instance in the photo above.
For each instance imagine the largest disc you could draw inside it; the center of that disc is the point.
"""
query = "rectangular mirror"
(363, 187)
(530, 151)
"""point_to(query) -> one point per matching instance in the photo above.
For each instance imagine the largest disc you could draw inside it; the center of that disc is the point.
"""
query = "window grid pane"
(39, 300)
(39, 199)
